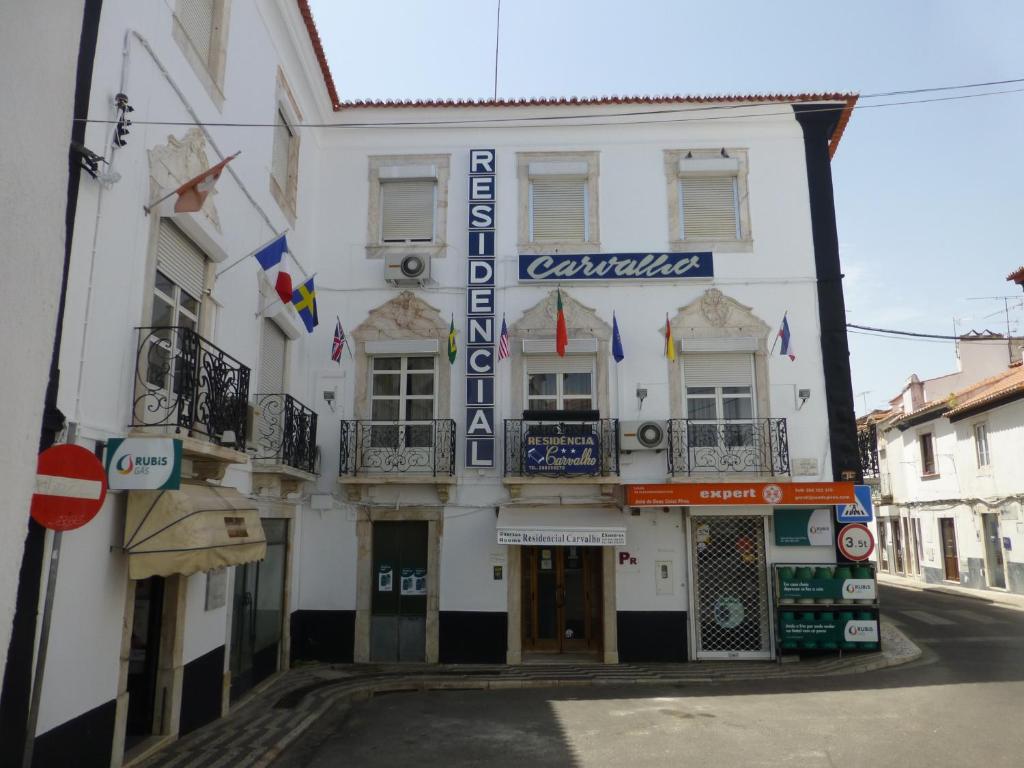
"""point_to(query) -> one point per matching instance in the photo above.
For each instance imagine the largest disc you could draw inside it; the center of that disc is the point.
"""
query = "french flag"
(271, 259)
(786, 347)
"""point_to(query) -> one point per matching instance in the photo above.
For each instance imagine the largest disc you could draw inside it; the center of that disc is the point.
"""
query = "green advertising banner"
(827, 630)
(831, 589)
(803, 527)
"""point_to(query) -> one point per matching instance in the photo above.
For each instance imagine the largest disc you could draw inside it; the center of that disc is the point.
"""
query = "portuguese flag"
(561, 332)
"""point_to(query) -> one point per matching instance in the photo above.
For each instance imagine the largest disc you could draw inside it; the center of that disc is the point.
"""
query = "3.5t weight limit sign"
(856, 542)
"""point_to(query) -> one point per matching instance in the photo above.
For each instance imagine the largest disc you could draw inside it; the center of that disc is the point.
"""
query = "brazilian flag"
(452, 349)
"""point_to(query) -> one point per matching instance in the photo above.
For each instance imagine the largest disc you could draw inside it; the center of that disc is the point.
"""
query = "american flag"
(503, 341)
(339, 342)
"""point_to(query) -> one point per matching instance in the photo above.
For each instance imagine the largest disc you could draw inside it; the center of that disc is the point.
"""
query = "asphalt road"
(961, 704)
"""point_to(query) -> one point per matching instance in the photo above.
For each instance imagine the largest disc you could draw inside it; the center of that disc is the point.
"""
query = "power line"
(912, 334)
(541, 119)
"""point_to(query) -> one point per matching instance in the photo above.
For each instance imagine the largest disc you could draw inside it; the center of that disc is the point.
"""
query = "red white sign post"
(856, 542)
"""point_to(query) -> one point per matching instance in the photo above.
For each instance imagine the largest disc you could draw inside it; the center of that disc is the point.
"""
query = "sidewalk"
(993, 596)
(269, 720)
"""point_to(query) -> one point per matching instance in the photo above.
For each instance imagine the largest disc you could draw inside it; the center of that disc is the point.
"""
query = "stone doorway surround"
(609, 616)
(366, 517)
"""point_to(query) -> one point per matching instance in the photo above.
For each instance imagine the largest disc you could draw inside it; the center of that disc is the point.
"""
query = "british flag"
(339, 342)
(503, 341)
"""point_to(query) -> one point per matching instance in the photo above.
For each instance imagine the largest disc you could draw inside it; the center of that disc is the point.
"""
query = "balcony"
(187, 386)
(282, 442)
(395, 452)
(562, 448)
(698, 447)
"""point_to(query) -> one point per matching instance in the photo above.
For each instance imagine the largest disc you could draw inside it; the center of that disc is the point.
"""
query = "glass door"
(143, 660)
(994, 559)
(562, 599)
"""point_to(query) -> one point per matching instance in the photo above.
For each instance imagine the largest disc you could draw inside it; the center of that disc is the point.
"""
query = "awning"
(197, 528)
(558, 526)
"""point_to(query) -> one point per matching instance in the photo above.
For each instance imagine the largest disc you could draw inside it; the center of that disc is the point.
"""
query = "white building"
(408, 507)
(947, 473)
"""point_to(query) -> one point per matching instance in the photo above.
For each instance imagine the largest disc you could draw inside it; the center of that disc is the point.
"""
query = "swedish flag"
(304, 301)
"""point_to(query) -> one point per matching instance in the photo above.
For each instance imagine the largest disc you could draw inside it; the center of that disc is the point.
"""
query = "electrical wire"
(542, 119)
(1000, 340)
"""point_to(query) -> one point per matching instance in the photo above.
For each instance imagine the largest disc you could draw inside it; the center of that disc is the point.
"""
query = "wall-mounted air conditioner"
(643, 435)
(407, 268)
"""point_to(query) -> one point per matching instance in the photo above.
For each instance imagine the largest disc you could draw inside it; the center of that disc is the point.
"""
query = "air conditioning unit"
(642, 436)
(407, 269)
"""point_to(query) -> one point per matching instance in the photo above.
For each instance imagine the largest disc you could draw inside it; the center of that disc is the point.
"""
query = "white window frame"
(559, 397)
(683, 164)
(719, 396)
(403, 396)
(569, 166)
(982, 451)
(384, 169)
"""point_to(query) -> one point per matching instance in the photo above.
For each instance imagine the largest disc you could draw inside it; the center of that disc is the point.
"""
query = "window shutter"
(711, 370)
(282, 147)
(558, 210)
(707, 208)
(272, 357)
(407, 211)
(180, 259)
(196, 17)
(556, 364)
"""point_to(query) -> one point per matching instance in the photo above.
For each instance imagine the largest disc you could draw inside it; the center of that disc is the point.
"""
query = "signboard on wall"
(561, 454)
(737, 494)
(567, 267)
(144, 464)
(480, 311)
(803, 527)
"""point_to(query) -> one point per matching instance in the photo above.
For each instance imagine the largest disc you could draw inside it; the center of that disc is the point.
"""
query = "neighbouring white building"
(430, 497)
(944, 461)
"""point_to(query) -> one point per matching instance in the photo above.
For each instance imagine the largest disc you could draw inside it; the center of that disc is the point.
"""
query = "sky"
(927, 195)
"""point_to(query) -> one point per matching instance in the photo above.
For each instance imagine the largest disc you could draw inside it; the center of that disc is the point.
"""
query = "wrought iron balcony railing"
(186, 382)
(867, 446)
(749, 445)
(400, 447)
(539, 448)
(283, 431)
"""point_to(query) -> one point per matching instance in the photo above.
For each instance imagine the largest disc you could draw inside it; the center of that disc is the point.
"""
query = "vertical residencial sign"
(480, 312)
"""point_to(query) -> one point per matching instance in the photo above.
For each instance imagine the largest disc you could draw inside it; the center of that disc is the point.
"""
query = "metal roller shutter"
(707, 208)
(272, 358)
(180, 259)
(717, 370)
(196, 18)
(558, 210)
(556, 364)
(407, 211)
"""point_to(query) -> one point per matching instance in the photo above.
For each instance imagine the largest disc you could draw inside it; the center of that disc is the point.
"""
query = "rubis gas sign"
(737, 494)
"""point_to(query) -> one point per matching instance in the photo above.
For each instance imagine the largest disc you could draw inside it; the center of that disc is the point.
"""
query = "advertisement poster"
(414, 582)
(385, 578)
(803, 527)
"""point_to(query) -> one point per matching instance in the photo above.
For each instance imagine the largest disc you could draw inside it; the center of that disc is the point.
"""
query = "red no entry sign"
(70, 487)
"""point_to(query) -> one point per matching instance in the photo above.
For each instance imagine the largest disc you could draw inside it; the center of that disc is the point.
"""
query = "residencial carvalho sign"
(565, 267)
(143, 464)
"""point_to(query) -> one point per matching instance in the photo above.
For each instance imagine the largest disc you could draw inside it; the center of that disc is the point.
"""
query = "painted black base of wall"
(202, 690)
(652, 636)
(323, 635)
(472, 637)
(84, 742)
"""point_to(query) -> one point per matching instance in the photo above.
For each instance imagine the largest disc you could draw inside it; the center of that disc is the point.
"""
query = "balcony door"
(402, 411)
(720, 407)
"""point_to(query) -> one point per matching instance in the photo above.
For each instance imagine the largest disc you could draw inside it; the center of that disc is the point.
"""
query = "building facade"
(943, 463)
(563, 420)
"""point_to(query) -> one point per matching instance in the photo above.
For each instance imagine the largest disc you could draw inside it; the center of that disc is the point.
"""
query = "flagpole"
(772, 350)
(155, 203)
(253, 252)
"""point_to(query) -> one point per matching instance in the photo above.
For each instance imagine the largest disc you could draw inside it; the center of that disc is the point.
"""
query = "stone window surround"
(713, 315)
(210, 72)
(538, 322)
(672, 176)
(366, 517)
(523, 160)
(287, 198)
(437, 249)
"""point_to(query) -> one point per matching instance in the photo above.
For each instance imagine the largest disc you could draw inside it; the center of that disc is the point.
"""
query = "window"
(177, 291)
(558, 200)
(707, 192)
(927, 454)
(981, 445)
(284, 162)
(273, 350)
(402, 401)
(719, 395)
(560, 384)
(200, 29)
(408, 201)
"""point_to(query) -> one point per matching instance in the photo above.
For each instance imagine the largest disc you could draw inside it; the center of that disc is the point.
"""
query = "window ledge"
(932, 476)
(725, 246)
(434, 250)
(532, 249)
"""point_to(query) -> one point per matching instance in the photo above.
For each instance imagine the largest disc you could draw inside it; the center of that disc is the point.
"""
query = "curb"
(982, 596)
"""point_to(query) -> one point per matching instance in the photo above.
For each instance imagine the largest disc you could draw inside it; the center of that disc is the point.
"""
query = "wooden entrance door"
(950, 559)
(562, 599)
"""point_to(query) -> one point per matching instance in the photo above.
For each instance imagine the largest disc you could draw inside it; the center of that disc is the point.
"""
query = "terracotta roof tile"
(989, 391)
(848, 99)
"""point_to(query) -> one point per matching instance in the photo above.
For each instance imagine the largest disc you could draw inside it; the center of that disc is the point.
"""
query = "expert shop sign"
(737, 494)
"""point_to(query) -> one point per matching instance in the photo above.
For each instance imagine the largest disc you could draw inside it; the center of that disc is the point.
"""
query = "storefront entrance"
(730, 587)
(398, 622)
(143, 661)
(995, 563)
(950, 559)
(562, 599)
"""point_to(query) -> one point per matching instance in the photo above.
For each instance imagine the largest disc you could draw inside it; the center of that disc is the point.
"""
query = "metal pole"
(44, 637)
